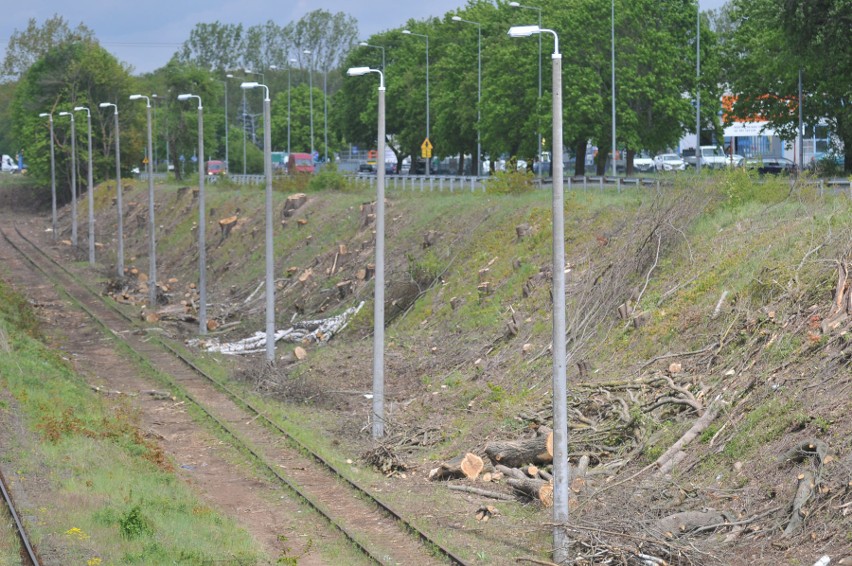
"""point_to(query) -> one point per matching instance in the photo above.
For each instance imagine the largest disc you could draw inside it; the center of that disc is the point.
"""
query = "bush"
(329, 178)
(511, 183)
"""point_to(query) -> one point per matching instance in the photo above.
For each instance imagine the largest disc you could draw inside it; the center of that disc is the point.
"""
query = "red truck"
(300, 163)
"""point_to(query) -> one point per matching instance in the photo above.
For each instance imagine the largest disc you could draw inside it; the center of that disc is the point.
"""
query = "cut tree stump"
(516, 453)
(293, 203)
(468, 466)
(226, 225)
(522, 231)
(534, 489)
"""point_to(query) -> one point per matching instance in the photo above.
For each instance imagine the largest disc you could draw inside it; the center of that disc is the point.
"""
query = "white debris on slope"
(318, 331)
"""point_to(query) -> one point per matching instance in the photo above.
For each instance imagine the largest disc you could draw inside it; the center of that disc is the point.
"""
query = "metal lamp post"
(152, 241)
(698, 90)
(73, 178)
(539, 148)
(365, 44)
(91, 187)
(560, 393)
(202, 237)
(289, 68)
(267, 168)
(325, 111)
(118, 193)
(426, 37)
(612, 39)
(478, 91)
(379, 298)
(311, 98)
(227, 131)
(49, 117)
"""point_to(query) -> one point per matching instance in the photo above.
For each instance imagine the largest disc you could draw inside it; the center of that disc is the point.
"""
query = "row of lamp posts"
(560, 456)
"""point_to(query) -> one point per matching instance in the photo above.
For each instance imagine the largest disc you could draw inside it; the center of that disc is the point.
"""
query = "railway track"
(373, 526)
(28, 553)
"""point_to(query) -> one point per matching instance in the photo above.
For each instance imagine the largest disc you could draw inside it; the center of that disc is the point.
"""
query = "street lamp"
(426, 37)
(245, 114)
(227, 156)
(311, 97)
(379, 298)
(365, 44)
(325, 111)
(289, 68)
(152, 242)
(73, 178)
(91, 197)
(118, 193)
(612, 39)
(267, 168)
(698, 90)
(539, 148)
(560, 409)
(49, 117)
(202, 239)
(478, 90)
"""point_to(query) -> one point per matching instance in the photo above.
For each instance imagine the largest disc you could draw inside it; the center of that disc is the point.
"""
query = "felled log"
(700, 426)
(682, 523)
(516, 453)
(482, 492)
(468, 466)
(510, 472)
(804, 450)
(534, 489)
(804, 490)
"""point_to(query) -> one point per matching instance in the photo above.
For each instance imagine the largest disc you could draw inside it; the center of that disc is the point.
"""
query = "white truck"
(8, 165)
(714, 157)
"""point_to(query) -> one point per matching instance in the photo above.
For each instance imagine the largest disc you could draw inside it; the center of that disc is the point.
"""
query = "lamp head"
(523, 31)
(306, 51)
(135, 96)
(249, 85)
(66, 114)
(105, 104)
(79, 108)
(406, 31)
(184, 96)
(363, 44)
(357, 71)
(229, 76)
(515, 4)
(456, 18)
(43, 115)
(273, 67)
(293, 61)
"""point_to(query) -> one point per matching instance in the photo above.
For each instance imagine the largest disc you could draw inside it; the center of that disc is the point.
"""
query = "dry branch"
(700, 426)
(482, 492)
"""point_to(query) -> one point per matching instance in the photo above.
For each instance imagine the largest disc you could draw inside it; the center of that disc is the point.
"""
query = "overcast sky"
(145, 34)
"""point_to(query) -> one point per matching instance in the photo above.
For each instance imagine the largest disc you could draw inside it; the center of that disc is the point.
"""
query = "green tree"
(774, 39)
(214, 46)
(300, 121)
(79, 73)
(28, 46)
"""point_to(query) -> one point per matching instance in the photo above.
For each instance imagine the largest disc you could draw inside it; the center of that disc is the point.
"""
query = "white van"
(8, 165)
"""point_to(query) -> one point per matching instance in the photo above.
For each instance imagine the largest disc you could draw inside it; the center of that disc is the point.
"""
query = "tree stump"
(344, 288)
(293, 203)
(429, 239)
(522, 231)
(514, 454)
(226, 225)
(368, 213)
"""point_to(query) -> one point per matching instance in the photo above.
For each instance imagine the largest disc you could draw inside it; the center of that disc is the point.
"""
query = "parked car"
(8, 165)
(215, 168)
(771, 165)
(300, 163)
(366, 168)
(643, 163)
(713, 157)
(669, 162)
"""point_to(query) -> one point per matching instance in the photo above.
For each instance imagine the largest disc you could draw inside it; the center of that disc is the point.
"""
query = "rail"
(91, 301)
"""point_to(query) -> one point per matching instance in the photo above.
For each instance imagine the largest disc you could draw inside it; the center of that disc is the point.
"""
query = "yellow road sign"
(426, 148)
(144, 161)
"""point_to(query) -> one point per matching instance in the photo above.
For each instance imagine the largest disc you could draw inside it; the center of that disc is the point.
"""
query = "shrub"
(511, 183)
(329, 178)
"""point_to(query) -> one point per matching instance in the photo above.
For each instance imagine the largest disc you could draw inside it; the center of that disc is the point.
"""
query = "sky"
(147, 34)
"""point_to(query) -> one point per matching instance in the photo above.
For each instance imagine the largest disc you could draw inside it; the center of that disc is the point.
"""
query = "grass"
(111, 495)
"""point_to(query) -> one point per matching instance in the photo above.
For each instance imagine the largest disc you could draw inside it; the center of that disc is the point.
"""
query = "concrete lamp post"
(426, 37)
(52, 172)
(152, 240)
(118, 193)
(478, 91)
(379, 299)
(73, 178)
(202, 224)
(91, 196)
(560, 394)
(267, 169)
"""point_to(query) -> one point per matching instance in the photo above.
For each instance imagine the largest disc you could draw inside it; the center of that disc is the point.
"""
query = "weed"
(133, 524)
